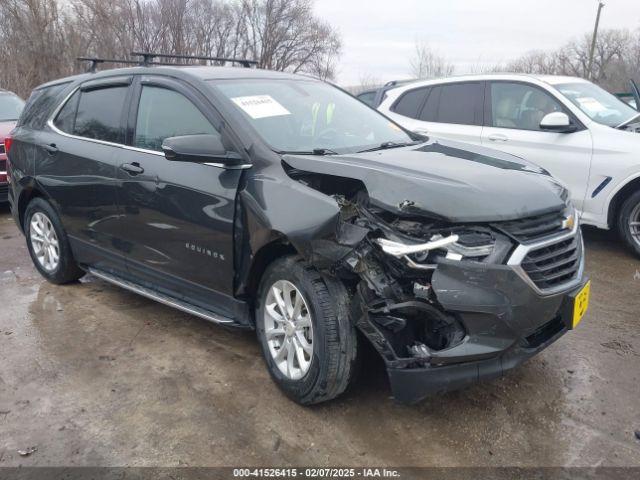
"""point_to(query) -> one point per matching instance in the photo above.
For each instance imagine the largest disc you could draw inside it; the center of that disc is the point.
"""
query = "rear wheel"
(629, 222)
(302, 320)
(48, 243)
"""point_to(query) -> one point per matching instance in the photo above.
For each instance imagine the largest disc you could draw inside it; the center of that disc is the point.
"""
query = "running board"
(159, 297)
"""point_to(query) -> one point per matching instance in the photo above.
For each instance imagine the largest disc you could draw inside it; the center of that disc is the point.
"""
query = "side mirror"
(557, 122)
(198, 149)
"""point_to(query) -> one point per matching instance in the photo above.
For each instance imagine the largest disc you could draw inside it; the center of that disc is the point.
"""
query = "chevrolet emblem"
(568, 223)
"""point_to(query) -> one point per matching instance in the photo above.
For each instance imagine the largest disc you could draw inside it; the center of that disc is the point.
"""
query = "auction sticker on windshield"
(260, 106)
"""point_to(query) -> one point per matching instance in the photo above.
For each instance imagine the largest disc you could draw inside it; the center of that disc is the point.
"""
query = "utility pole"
(593, 41)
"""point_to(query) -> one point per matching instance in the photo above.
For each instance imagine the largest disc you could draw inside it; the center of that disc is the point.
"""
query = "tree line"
(41, 39)
(616, 59)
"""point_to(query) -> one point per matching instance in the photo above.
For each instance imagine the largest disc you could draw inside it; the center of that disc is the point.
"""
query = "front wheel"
(629, 222)
(302, 320)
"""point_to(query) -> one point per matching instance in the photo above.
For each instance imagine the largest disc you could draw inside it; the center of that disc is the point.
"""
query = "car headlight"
(472, 244)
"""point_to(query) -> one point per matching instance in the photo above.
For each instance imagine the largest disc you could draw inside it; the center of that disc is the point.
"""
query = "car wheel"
(48, 244)
(629, 222)
(308, 341)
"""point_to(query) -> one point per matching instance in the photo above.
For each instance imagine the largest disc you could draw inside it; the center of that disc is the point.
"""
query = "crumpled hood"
(446, 180)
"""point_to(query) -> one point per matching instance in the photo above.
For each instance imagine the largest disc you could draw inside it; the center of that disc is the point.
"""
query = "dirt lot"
(94, 375)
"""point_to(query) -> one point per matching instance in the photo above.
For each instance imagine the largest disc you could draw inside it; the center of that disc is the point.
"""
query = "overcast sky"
(379, 35)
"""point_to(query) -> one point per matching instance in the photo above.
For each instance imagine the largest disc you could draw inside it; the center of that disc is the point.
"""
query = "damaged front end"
(439, 301)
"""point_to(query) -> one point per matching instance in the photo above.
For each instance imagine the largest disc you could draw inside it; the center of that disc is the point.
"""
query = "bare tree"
(616, 59)
(47, 35)
(428, 64)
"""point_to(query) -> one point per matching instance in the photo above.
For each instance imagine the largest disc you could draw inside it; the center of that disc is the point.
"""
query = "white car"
(585, 137)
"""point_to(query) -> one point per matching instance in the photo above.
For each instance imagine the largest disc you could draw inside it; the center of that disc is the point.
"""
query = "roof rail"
(147, 59)
(95, 61)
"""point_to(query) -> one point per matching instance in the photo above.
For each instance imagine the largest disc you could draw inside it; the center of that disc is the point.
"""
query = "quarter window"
(164, 113)
(520, 106)
(99, 114)
(65, 119)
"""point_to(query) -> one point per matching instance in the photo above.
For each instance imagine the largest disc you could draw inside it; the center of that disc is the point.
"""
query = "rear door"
(77, 168)
(178, 216)
(455, 111)
(514, 112)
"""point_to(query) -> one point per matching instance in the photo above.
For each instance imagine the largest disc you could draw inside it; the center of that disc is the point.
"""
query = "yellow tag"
(581, 303)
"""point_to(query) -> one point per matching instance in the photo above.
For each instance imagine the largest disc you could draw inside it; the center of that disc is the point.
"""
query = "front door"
(178, 216)
(514, 112)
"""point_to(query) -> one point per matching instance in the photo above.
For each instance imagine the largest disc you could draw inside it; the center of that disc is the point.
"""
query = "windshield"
(10, 107)
(303, 116)
(597, 103)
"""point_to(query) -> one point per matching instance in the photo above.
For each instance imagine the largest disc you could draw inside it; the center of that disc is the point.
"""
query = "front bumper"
(410, 386)
(505, 321)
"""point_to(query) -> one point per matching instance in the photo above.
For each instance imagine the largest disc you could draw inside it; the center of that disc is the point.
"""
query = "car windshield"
(10, 107)
(598, 104)
(307, 116)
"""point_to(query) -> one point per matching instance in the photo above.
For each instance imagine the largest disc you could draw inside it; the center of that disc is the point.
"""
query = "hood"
(446, 180)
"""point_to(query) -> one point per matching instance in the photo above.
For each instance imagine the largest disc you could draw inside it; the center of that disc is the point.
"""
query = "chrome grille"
(534, 228)
(554, 265)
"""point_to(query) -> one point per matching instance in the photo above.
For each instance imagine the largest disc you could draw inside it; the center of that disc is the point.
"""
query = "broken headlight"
(477, 245)
(473, 245)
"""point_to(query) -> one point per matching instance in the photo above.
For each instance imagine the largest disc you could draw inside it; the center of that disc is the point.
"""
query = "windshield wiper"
(629, 122)
(315, 151)
(324, 151)
(387, 145)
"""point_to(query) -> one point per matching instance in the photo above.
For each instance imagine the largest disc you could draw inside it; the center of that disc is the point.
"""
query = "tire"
(629, 222)
(333, 360)
(48, 225)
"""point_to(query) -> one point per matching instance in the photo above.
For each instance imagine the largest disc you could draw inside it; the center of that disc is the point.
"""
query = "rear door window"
(164, 113)
(408, 105)
(99, 114)
(461, 103)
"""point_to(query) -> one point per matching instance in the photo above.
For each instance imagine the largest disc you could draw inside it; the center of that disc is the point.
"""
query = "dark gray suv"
(280, 203)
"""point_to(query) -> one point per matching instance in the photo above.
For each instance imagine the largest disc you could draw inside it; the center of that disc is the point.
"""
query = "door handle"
(132, 168)
(50, 148)
(498, 137)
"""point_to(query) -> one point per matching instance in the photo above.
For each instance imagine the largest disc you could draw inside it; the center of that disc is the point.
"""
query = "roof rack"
(95, 61)
(147, 59)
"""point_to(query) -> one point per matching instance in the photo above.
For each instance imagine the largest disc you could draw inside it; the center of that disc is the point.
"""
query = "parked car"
(582, 135)
(374, 97)
(10, 107)
(234, 195)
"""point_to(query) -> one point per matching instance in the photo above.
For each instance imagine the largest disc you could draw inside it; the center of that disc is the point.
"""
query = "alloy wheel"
(44, 241)
(288, 329)
(634, 224)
